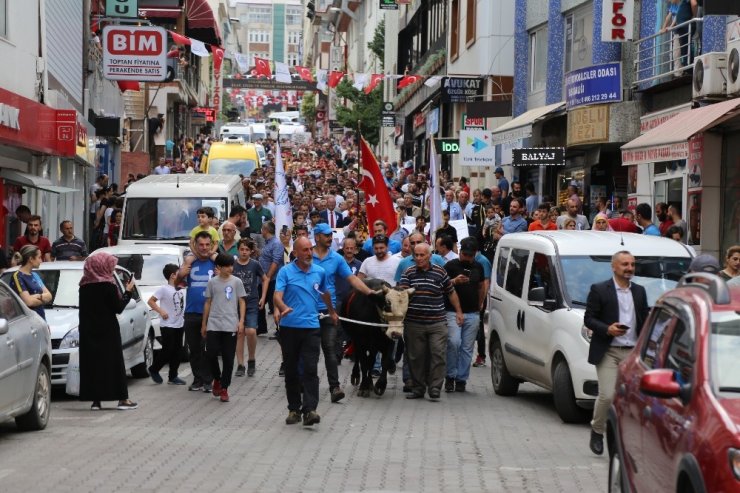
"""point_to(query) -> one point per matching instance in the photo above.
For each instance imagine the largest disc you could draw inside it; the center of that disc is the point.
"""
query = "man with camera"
(615, 312)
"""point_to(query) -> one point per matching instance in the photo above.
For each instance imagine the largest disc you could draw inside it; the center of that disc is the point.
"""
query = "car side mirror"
(537, 297)
(131, 304)
(3, 326)
(660, 383)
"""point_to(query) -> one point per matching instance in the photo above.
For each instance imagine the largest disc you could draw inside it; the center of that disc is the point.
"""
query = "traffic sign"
(134, 53)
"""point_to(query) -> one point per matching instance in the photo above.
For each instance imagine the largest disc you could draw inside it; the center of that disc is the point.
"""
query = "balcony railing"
(669, 54)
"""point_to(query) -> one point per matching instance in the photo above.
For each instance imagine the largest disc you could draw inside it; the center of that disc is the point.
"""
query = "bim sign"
(134, 53)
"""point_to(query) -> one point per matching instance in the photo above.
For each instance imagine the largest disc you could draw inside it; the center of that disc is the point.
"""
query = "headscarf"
(603, 216)
(99, 268)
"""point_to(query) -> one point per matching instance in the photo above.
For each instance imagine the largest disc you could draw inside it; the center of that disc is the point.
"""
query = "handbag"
(73, 374)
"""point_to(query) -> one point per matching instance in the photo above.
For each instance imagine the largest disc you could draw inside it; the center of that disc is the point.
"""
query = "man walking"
(644, 218)
(580, 219)
(334, 266)
(271, 259)
(383, 265)
(68, 246)
(426, 322)
(615, 312)
(33, 237)
(298, 288)
(197, 270)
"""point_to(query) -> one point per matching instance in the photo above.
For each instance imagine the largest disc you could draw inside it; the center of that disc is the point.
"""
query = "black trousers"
(171, 349)
(262, 316)
(329, 348)
(221, 344)
(197, 348)
(303, 344)
(481, 337)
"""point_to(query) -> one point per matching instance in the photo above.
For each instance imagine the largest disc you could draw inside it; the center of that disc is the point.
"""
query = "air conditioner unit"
(710, 76)
(733, 68)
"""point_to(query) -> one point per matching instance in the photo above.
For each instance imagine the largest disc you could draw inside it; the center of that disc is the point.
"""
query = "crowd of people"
(243, 269)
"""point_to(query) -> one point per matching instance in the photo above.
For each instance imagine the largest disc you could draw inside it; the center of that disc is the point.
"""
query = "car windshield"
(223, 166)
(147, 268)
(656, 274)
(64, 285)
(166, 219)
(724, 346)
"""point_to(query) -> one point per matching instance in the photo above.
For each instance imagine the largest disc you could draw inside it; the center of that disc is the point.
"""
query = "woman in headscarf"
(601, 223)
(102, 371)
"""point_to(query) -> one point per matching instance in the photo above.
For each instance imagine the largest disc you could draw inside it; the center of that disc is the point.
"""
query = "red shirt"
(664, 226)
(43, 244)
(537, 226)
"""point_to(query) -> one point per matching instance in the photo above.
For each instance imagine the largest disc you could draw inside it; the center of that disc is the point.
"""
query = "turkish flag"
(218, 57)
(304, 72)
(128, 85)
(179, 38)
(375, 79)
(408, 80)
(378, 203)
(334, 79)
(262, 67)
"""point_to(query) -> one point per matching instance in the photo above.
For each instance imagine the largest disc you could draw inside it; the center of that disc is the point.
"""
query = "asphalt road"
(186, 441)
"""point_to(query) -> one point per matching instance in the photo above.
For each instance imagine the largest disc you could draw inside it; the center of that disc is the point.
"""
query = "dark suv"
(674, 424)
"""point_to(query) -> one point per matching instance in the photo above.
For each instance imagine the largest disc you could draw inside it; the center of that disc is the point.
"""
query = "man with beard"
(516, 192)
(666, 221)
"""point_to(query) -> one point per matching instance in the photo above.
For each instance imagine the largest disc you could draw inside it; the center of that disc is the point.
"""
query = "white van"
(537, 300)
(162, 208)
(259, 131)
(234, 130)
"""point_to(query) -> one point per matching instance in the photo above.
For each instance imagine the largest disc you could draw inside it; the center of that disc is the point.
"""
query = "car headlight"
(735, 462)
(586, 333)
(71, 339)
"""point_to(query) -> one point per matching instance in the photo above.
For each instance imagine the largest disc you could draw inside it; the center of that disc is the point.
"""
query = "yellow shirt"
(210, 230)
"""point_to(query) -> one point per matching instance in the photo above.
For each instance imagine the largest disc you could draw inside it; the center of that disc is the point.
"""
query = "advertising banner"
(593, 85)
(477, 148)
(617, 21)
(134, 53)
(462, 89)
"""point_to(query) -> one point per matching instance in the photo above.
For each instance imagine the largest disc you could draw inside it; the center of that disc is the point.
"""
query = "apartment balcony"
(667, 58)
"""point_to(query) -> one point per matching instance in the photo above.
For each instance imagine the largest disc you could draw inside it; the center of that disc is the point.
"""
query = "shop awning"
(521, 126)
(160, 13)
(670, 140)
(32, 181)
(202, 24)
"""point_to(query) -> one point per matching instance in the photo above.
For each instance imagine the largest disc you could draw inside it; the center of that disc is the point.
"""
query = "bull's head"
(396, 304)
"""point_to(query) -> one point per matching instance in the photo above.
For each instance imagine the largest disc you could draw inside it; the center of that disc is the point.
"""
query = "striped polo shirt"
(427, 304)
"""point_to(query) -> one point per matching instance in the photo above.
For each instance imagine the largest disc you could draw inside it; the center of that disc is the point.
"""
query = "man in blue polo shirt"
(299, 288)
(334, 265)
(514, 222)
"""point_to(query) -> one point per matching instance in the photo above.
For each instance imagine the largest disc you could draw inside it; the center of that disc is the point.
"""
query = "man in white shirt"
(443, 244)
(162, 168)
(383, 265)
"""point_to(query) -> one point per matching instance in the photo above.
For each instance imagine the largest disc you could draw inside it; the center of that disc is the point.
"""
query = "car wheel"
(503, 382)
(564, 397)
(142, 369)
(38, 416)
(617, 480)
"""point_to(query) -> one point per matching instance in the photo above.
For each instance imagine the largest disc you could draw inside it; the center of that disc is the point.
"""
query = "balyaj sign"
(462, 89)
(594, 85)
(538, 156)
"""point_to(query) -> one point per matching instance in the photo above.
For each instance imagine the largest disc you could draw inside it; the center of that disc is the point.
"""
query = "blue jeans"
(460, 345)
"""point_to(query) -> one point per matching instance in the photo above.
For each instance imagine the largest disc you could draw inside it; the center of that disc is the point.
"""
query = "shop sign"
(588, 125)
(419, 120)
(667, 152)
(617, 20)
(652, 120)
(594, 85)
(538, 156)
(388, 116)
(134, 53)
(473, 123)
(447, 146)
(432, 122)
(209, 114)
(477, 148)
(695, 162)
(388, 5)
(462, 89)
(122, 8)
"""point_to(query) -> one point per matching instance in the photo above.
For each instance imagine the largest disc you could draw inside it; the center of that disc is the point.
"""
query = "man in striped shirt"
(425, 322)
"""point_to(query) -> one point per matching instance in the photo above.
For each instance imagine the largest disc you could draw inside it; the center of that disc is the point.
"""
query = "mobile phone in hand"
(466, 272)
(623, 327)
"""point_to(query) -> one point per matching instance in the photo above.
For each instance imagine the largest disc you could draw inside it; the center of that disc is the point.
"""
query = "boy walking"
(171, 310)
(205, 216)
(223, 317)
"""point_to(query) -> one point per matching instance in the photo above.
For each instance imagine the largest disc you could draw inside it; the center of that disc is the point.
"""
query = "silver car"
(25, 363)
(62, 279)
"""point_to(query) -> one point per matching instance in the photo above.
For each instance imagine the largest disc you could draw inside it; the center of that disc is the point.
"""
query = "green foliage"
(363, 107)
(308, 109)
(377, 45)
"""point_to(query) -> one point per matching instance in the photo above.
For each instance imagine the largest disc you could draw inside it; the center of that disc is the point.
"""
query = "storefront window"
(731, 208)
(570, 178)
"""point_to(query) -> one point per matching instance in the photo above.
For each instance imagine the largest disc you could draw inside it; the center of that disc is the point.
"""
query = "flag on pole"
(321, 79)
(304, 72)
(262, 67)
(198, 48)
(335, 77)
(408, 80)
(435, 199)
(378, 203)
(375, 79)
(283, 213)
(282, 73)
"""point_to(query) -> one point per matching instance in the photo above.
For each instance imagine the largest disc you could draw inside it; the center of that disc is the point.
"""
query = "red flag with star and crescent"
(304, 72)
(262, 67)
(375, 79)
(335, 78)
(408, 80)
(378, 203)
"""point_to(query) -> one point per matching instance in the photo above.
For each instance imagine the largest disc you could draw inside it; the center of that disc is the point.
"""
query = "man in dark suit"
(615, 312)
(331, 215)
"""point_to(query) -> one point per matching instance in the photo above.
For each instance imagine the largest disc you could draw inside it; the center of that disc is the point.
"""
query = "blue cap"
(323, 229)
(499, 170)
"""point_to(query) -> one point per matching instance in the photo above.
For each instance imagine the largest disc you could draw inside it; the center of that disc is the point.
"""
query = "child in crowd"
(114, 227)
(223, 318)
(205, 218)
(250, 272)
(170, 309)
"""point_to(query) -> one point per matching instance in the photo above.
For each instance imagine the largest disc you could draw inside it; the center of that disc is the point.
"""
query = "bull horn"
(410, 291)
(386, 289)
